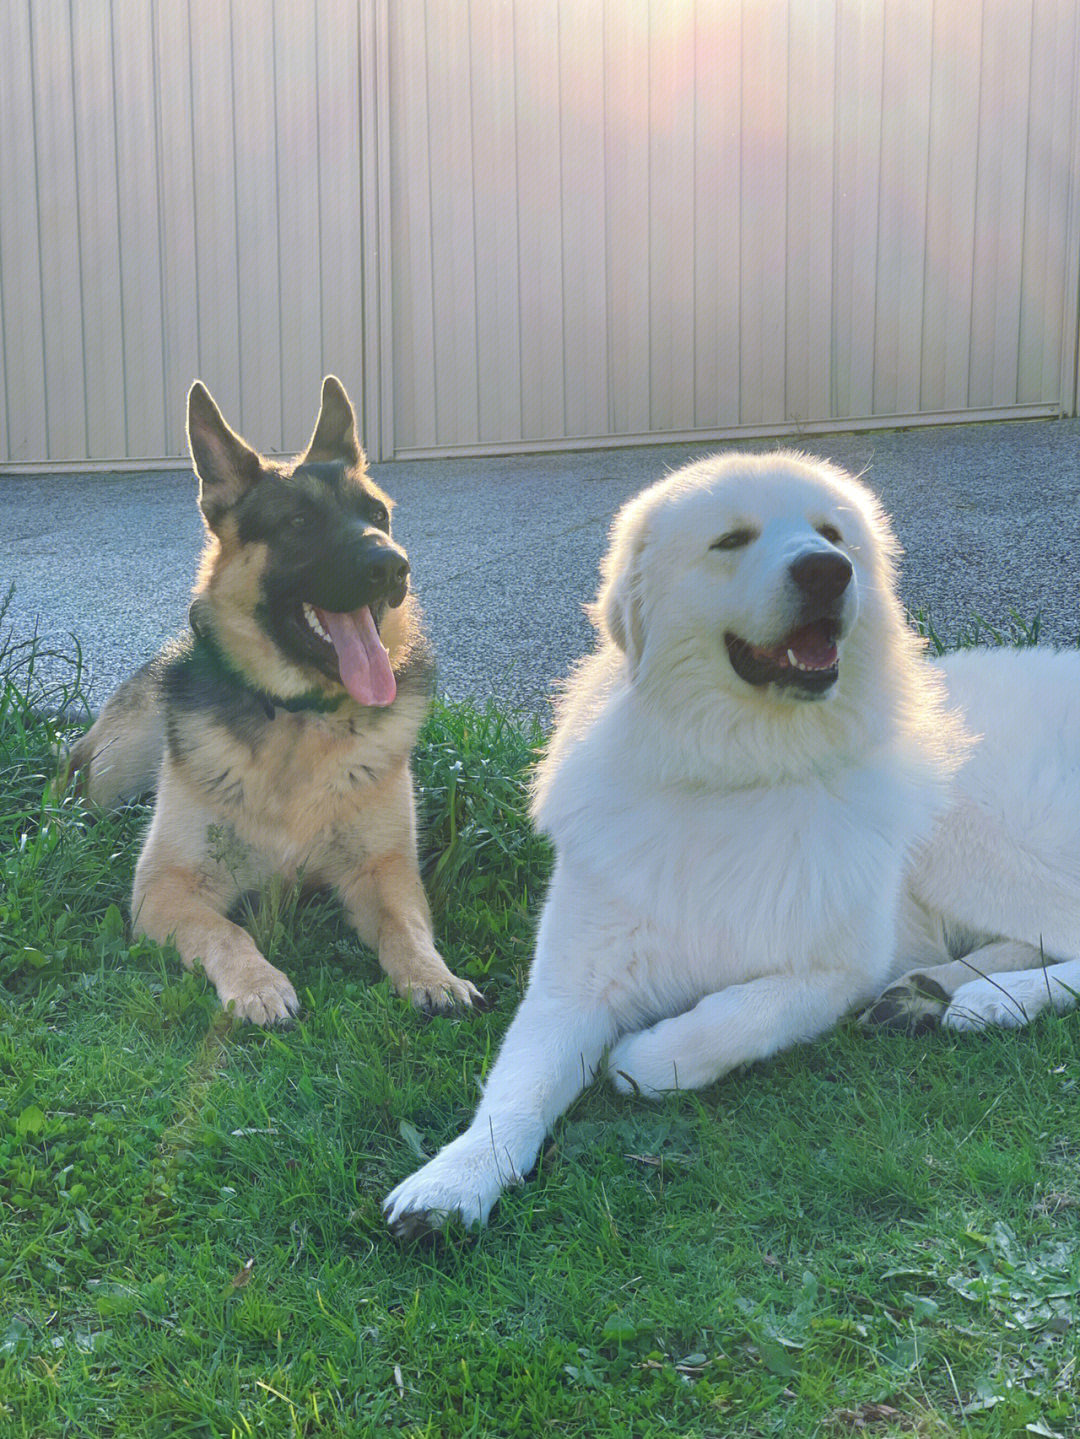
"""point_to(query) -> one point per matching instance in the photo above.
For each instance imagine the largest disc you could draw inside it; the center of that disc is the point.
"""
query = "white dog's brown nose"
(821, 576)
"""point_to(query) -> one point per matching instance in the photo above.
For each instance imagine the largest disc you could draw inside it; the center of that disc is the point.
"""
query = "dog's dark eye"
(831, 533)
(733, 540)
(298, 520)
(379, 517)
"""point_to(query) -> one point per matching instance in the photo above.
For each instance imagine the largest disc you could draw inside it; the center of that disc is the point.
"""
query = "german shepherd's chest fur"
(288, 785)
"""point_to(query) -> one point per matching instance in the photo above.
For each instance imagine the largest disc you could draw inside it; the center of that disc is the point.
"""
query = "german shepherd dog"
(277, 733)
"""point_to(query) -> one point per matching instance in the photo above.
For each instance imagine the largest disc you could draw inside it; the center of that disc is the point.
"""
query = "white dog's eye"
(734, 540)
(831, 533)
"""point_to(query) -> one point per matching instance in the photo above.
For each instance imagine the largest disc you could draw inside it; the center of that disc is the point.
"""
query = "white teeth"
(315, 623)
(806, 669)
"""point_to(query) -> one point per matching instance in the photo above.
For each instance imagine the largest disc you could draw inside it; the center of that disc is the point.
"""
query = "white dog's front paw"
(637, 1064)
(462, 1182)
(1007, 1002)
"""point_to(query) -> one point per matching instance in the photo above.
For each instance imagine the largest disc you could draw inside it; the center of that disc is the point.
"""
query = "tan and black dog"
(278, 731)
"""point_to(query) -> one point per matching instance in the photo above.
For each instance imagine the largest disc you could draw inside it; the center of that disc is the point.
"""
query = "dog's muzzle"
(806, 660)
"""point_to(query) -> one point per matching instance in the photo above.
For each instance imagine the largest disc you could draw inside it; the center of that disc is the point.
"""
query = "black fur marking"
(198, 680)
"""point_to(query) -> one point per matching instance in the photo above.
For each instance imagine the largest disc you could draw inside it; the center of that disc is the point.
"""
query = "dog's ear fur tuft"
(335, 436)
(226, 466)
(619, 610)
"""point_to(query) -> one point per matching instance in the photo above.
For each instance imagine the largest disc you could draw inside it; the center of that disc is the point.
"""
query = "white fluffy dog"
(736, 781)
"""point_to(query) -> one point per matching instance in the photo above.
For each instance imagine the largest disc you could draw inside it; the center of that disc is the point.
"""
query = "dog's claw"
(269, 999)
(445, 998)
(417, 1224)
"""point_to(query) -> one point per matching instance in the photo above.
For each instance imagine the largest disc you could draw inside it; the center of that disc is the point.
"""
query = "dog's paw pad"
(915, 1005)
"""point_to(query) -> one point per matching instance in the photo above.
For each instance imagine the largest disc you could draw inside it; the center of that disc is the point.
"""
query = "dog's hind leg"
(119, 756)
(958, 992)
(1011, 996)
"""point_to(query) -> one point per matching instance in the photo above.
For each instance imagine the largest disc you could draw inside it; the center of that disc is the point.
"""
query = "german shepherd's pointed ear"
(336, 436)
(226, 466)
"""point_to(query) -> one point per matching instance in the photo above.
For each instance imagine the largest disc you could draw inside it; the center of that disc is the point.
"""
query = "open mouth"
(806, 660)
(350, 641)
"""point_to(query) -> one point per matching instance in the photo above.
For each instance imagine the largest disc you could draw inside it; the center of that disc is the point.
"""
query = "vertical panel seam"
(318, 193)
(37, 221)
(648, 214)
(119, 229)
(236, 219)
(277, 229)
(926, 208)
(877, 209)
(472, 177)
(609, 401)
(1024, 211)
(194, 198)
(562, 209)
(162, 251)
(694, 228)
(431, 222)
(834, 384)
(517, 223)
(975, 199)
(77, 207)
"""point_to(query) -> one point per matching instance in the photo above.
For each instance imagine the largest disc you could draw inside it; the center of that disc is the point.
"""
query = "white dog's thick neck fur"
(730, 857)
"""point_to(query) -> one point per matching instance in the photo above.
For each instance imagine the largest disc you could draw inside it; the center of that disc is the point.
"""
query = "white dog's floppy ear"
(619, 610)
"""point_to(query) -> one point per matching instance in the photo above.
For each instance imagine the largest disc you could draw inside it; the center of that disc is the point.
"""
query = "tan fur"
(325, 799)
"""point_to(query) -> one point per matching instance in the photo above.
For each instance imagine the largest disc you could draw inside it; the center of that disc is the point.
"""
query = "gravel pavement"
(504, 551)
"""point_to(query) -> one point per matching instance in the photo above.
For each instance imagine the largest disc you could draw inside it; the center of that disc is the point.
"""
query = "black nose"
(388, 568)
(822, 576)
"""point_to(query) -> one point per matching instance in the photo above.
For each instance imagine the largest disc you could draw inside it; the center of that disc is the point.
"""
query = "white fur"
(729, 860)
(1004, 861)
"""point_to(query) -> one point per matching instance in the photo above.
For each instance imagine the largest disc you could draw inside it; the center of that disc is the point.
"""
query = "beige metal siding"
(514, 223)
(653, 216)
(181, 196)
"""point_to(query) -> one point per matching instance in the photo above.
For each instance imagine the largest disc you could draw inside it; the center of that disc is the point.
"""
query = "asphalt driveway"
(504, 551)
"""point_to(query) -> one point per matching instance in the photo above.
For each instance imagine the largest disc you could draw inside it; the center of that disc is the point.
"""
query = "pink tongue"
(812, 647)
(362, 661)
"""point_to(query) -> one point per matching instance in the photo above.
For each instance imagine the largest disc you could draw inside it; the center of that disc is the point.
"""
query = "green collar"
(208, 659)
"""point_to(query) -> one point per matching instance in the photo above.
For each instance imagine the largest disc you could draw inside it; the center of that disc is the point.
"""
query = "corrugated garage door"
(624, 219)
(532, 223)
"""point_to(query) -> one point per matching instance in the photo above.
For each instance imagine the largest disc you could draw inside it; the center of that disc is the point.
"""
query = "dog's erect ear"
(619, 608)
(336, 436)
(226, 466)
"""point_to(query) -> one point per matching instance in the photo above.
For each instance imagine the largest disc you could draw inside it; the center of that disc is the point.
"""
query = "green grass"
(871, 1235)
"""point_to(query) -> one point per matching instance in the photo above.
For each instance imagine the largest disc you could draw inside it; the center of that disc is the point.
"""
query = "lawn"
(873, 1235)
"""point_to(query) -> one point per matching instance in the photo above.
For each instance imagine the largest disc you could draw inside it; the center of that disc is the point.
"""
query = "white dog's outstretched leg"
(1011, 1000)
(550, 1053)
(737, 1025)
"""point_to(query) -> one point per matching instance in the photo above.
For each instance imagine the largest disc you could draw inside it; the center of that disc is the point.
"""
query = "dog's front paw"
(442, 992)
(260, 994)
(461, 1183)
(638, 1065)
(913, 1004)
(1008, 1002)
